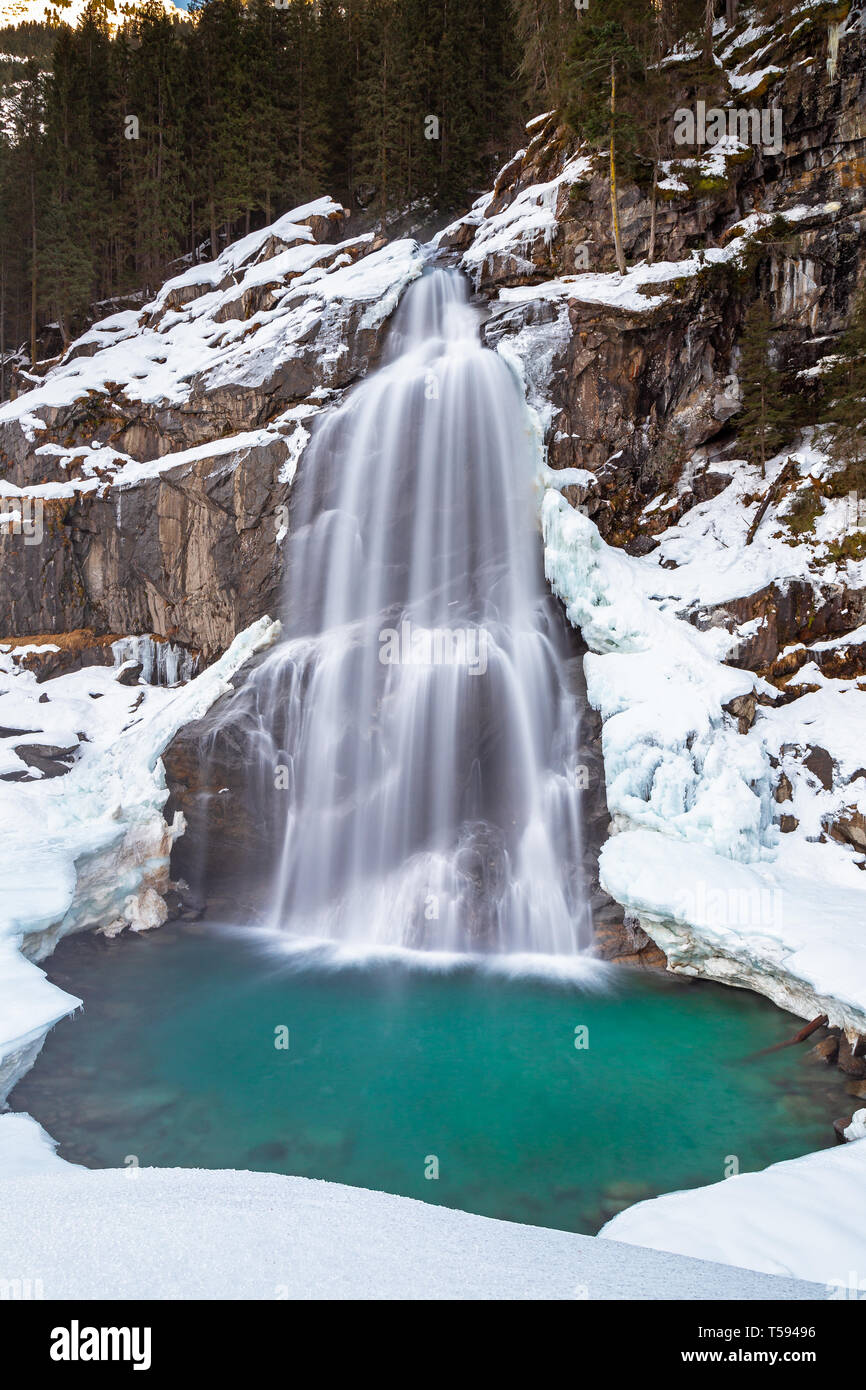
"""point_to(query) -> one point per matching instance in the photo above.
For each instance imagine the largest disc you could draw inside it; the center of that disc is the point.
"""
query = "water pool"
(396, 1069)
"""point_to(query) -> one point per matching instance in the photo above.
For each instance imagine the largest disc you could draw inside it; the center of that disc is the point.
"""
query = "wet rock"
(852, 1062)
(826, 1050)
(625, 942)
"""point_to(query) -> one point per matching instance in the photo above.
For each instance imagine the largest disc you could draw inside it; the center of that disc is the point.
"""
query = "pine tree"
(379, 110)
(120, 150)
(604, 76)
(25, 115)
(846, 392)
(154, 188)
(216, 84)
(68, 260)
(543, 29)
(765, 423)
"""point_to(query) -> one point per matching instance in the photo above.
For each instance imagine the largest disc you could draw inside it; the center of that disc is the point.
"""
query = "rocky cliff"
(160, 451)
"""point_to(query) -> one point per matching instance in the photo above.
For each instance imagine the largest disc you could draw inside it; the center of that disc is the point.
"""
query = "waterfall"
(415, 736)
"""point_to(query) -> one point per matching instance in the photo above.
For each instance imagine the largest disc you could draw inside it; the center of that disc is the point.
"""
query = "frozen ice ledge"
(91, 848)
(697, 857)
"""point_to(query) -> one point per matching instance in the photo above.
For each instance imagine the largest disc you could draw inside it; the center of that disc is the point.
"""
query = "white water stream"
(419, 722)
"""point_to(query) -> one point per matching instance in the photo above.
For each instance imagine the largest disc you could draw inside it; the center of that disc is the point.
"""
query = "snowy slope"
(275, 306)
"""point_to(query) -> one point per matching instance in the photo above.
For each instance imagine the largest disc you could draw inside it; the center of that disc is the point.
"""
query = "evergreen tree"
(380, 110)
(543, 29)
(216, 82)
(846, 389)
(154, 193)
(69, 257)
(765, 423)
(123, 149)
(25, 116)
(604, 74)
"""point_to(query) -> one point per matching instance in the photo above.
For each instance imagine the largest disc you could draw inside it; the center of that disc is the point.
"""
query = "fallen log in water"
(805, 1032)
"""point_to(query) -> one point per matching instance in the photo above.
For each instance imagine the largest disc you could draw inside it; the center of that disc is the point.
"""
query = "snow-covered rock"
(90, 848)
(160, 451)
(699, 859)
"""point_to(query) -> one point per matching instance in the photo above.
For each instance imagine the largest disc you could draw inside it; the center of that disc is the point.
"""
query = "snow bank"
(89, 848)
(805, 1218)
(191, 1233)
(699, 858)
(674, 762)
(788, 928)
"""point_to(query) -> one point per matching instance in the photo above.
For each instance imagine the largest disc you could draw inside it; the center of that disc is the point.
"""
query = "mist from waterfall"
(415, 736)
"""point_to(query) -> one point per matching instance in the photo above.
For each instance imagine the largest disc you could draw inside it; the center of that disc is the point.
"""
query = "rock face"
(224, 372)
(635, 387)
(189, 553)
(155, 462)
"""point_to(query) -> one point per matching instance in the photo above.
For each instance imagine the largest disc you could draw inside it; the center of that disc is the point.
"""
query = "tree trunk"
(652, 236)
(614, 209)
(33, 269)
(763, 430)
(709, 17)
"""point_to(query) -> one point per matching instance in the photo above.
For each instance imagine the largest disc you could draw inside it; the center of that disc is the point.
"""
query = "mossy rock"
(850, 478)
(852, 547)
(830, 12)
(803, 511)
(761, 87)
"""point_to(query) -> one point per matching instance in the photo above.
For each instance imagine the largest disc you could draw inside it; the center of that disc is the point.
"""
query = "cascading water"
(416, 734)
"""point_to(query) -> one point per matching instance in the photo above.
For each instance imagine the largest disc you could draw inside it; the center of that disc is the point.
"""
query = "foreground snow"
(805, 1218)
(191, 1233)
